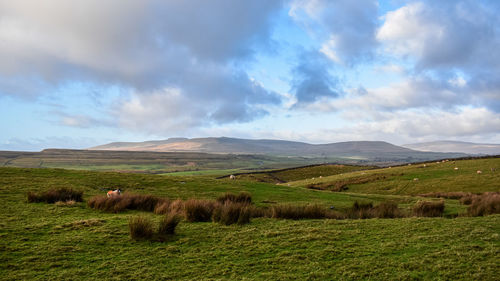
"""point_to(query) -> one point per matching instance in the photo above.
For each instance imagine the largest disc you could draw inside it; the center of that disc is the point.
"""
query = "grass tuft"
(286, 211)
(197, 210)
(168, 224)
(231, 213)
(140, 228)
(54, 195)
(428, 209)
(487, 203)
(242, 197)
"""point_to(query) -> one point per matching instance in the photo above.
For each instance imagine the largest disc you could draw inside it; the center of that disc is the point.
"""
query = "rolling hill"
(456, 146)
(377, 151)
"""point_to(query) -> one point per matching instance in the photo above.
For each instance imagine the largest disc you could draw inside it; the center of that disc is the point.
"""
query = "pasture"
(58, 241)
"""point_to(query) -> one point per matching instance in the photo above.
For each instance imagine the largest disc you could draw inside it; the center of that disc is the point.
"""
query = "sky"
(76, 74)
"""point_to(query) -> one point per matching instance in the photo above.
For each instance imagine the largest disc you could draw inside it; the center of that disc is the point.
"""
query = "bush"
(428, 209)
(313, 211)
(55, 195)
(196, 210)
(242, 197)
(140, 228)
(486, 204)
(231, 213)
(168, 224)
(387, 210)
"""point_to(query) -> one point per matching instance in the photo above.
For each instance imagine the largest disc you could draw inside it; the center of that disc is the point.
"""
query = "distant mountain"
(363, 150)
(456, 146)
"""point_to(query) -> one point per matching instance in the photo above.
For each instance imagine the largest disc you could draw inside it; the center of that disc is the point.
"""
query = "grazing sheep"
(232, 177)
(415, 179)
(113, 193)
(425, 165)
(479, 172)
(456, 168)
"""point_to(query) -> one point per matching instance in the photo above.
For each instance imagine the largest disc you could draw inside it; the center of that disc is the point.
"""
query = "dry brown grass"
(54, 195)
(168, 224)
(117, 204)
(140, 228)
(242, 197)
(231, 213)
(287, 211)
(198, 210)
(428, 209)
(486, 204)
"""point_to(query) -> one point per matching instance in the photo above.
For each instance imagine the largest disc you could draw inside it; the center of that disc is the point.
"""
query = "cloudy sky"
(75, 74)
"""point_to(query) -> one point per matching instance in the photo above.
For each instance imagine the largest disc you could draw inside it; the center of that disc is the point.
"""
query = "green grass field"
(44, 241)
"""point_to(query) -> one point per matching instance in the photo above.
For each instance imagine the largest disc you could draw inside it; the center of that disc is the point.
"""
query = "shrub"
(360, 210)
(387, 210)
(298, 212)
(196, 210)
(428, 209)
(140, 228)
(54, 195)
(486, 204)
(231, 213)
(242, 197)
(168, 224)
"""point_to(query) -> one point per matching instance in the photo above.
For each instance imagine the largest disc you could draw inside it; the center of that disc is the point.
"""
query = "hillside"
(456, 146)
(76, 242)
(447, 176)
(372, 151)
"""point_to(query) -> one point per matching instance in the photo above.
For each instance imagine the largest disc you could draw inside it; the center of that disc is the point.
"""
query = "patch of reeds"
(287, 211)
(428, 209)
(447, 195)
(486, 204)
(198, 210)
(242, 197)
(168, 224)
(54, 195)
(117, 204)
(140, 228)
(231, 213)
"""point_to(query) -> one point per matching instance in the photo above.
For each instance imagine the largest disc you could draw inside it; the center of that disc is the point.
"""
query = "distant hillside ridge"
(362, 150)
(456, 146)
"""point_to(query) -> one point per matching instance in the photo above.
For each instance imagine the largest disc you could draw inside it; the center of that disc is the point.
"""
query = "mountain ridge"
(368, 150)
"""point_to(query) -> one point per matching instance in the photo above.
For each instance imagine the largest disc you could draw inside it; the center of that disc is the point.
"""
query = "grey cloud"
(347, 27)
(311, 78)
(146, 46)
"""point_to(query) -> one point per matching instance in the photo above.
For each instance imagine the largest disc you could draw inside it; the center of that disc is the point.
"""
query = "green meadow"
(40, 241)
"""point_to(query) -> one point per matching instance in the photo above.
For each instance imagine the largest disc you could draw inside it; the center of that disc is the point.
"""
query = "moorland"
(74, 240)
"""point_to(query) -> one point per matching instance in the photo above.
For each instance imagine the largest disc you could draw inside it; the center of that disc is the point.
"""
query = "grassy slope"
(432, 178)
(46, 241)
(294, 174)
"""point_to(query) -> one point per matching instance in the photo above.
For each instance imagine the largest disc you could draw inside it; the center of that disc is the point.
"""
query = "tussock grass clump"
(117, 204)
(286, 211)
(428, 209)
(56, 194)
(360, 210)
(196, 210)
(231, 213)
(140, 228)
(242, 197)
(387, 210)
(447, 195)
(486, 204)
(168, 224)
